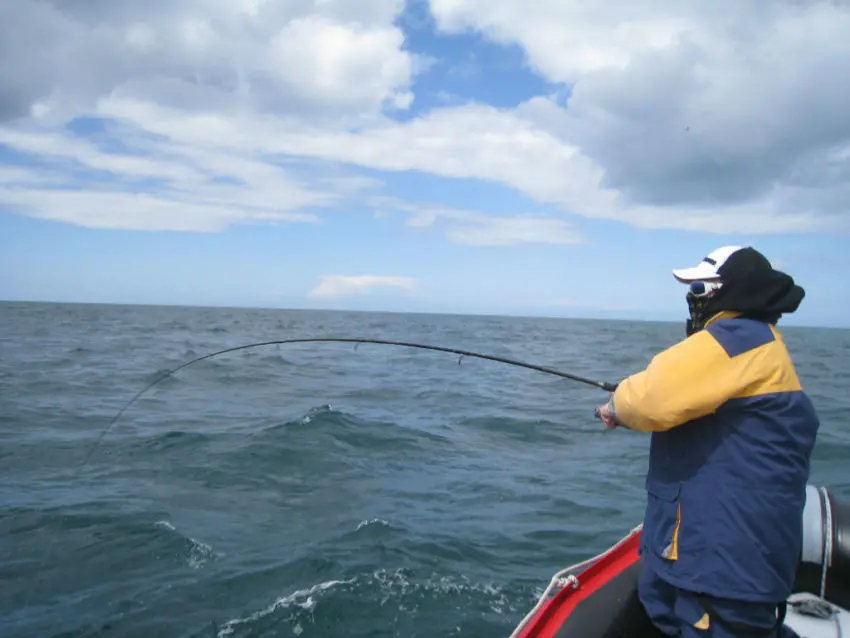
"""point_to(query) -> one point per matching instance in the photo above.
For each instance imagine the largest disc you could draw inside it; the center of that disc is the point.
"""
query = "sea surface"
(318, 490)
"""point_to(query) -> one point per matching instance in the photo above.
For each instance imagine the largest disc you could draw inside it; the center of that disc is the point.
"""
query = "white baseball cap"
(707, 269)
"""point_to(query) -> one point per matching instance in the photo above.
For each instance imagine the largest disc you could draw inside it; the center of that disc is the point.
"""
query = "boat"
(597, 598)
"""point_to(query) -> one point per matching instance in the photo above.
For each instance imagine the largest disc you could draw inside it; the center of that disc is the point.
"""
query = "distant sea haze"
(316, 490)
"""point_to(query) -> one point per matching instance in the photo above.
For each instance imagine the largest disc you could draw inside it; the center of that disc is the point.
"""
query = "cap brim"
(701, 272)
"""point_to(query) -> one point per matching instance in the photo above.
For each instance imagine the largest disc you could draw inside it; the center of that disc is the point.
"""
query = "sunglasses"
(704, 288)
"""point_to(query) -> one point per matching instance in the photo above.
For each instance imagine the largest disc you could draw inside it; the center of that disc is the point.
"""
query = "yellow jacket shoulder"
(694, 377)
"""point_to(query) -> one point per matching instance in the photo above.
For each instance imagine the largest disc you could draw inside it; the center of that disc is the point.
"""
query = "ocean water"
(316, 490)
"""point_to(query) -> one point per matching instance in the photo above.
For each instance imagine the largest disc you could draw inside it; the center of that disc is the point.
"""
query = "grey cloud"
(84, 54)
(724, 118)
(30, 34)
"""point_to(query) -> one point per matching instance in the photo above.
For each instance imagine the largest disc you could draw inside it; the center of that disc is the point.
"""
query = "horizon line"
(501, 315)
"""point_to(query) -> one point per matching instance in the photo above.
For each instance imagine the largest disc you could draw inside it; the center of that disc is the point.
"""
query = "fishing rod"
(604, 385)
(610, 387)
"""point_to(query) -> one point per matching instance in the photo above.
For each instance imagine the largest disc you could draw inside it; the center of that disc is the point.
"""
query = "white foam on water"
(303, 598)
(374, 521)
(308, 418)
(407, 596)
(199, 552)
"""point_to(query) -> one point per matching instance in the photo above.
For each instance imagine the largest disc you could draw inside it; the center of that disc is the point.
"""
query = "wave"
(401, 597)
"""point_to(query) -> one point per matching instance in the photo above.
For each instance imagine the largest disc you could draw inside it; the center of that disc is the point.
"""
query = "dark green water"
(314, 490)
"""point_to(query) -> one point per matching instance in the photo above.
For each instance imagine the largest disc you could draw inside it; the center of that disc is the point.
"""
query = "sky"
(555, 157)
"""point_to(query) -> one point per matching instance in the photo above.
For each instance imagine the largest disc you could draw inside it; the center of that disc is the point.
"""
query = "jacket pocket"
(663, 519)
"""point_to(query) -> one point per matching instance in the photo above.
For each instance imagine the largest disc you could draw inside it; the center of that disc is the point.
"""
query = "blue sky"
(446, 156)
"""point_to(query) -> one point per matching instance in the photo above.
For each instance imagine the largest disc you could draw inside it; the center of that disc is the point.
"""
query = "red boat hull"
(601, 603)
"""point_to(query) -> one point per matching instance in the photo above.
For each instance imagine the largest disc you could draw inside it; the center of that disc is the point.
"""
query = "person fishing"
(732, 432)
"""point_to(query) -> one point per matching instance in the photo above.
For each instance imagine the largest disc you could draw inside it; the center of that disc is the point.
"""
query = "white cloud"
(139, 212)
(173, 188)
(478, 141)
(566, 39)
(343, 64)
(187, 157)
(476, 229)
(333, 286)
(313, 57)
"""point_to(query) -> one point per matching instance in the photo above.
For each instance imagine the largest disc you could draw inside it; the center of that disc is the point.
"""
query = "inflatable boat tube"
(826, 542)
(598, 598)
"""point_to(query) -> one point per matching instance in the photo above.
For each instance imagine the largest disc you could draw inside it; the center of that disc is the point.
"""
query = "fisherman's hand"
(604, 413)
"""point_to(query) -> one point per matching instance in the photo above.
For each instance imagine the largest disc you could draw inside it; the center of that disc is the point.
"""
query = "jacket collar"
(723, 314)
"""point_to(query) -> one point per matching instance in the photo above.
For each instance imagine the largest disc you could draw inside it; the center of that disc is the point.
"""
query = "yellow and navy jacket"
(732, 436)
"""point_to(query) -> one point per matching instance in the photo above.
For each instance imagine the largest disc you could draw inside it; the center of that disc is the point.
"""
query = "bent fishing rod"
(610, 387)
(604, 385)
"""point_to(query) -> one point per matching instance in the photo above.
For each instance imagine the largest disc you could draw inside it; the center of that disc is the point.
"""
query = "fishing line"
(610, 387)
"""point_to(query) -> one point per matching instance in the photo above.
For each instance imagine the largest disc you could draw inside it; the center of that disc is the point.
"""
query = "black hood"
(754, 289)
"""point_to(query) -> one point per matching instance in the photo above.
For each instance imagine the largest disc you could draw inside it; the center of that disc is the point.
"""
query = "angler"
(732, 437)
